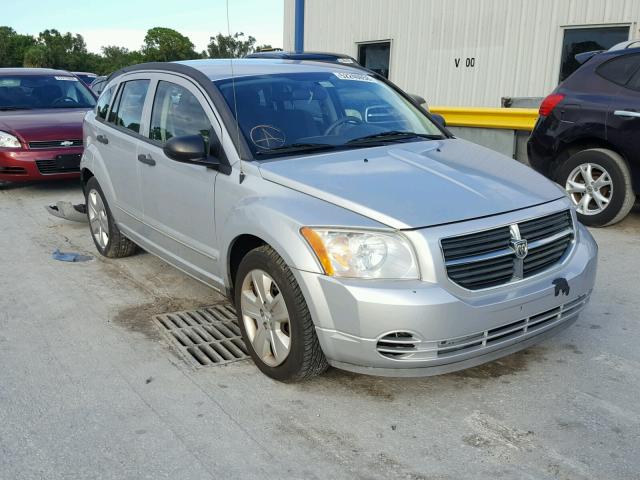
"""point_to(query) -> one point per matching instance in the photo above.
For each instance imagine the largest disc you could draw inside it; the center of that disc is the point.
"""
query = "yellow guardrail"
(480, 117)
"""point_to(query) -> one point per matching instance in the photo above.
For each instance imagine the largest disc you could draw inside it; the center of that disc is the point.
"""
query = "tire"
(606, 166)
(116, 244)
(305, 358)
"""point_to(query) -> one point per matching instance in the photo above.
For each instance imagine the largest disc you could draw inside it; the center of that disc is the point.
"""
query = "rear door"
(623, 119)
(120, 139)
(178, 197)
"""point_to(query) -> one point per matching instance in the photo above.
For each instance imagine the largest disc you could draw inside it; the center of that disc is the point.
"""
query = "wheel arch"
(238, 249)
(85, 175)
(567, 149)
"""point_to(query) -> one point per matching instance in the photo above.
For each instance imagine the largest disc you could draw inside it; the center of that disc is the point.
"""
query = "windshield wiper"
(392, 135)
(297, 147)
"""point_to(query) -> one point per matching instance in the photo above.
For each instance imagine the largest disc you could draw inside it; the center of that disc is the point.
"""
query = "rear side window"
(127, 112)
(634, 83)
(177, 112)
(103, 103)
(619, 70)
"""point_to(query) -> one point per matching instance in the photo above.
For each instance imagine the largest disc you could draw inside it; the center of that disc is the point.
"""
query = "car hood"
(50, 124)
(416, 184)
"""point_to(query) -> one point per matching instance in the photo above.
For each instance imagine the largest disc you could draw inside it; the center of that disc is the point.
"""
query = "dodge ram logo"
(520, 248)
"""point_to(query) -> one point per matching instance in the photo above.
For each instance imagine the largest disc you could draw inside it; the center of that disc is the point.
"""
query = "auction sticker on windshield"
(359, 77)
(69, 79)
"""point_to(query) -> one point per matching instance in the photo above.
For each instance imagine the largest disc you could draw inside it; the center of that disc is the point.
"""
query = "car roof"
(32, 71)
(219, 69)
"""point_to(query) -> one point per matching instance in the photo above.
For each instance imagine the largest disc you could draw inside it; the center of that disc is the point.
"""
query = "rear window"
(620, 69)
(103, 103)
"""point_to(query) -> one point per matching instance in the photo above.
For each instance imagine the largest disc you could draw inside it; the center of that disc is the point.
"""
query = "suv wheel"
(274, 319)
(105, 233)
(599, 183)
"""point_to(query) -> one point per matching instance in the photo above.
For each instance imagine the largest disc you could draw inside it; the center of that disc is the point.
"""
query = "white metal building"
(465, 52)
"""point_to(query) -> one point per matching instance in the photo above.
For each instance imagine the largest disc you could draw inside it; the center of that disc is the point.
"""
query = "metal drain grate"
(207, 336)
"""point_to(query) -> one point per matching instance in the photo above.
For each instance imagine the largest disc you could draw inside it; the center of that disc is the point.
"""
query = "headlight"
(362, 254)
(8, 141)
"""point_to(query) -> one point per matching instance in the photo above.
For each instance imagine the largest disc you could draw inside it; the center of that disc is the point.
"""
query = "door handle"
(102, 139)
(626, 113)
(146, 159)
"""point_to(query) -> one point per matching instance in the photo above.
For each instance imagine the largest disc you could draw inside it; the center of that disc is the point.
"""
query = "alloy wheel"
(265, 317)
(98, 219)
(590, 187)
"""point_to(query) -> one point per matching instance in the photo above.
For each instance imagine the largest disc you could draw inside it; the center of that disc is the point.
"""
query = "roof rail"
(625, 45)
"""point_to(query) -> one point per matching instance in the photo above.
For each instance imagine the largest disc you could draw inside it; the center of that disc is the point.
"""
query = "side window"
(634, 83)
(620, 69)
(177, 112)
(127, 111)
(103, 103)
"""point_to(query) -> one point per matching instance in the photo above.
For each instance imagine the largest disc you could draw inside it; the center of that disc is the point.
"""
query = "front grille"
(487, 259)
(12, 171)
(55, 144)
(413, 348)
(49, 167)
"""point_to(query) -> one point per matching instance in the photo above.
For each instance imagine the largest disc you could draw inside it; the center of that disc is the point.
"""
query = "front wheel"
(274, 318)
(598, 182)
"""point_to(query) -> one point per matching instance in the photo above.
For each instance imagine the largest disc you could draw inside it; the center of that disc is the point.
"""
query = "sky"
(125, 22)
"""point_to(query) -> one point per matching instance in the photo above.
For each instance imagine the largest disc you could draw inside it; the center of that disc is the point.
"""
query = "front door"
(178, 197)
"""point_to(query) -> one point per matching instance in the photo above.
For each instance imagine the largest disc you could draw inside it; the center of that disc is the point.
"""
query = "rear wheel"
(598, 182)
(105, 233)
(274, 318)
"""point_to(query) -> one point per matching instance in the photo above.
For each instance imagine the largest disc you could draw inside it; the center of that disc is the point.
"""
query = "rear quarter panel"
(92, 159)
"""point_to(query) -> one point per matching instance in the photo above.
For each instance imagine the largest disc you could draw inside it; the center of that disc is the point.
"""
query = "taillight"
(549, 103)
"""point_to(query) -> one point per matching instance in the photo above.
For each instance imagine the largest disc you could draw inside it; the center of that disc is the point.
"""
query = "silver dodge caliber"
(349, 227)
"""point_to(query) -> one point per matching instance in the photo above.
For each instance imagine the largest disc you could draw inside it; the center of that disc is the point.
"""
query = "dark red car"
(41, 112)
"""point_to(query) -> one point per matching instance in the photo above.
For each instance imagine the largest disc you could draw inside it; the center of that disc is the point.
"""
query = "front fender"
(274, 214)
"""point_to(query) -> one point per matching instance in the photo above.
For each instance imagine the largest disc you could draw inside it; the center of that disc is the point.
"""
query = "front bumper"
(29, 165)
(452, 329)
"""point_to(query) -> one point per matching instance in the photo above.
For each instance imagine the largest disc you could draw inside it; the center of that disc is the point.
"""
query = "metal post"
(299, 26)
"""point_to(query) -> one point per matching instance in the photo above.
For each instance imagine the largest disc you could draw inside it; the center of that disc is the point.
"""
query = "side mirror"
(418, 100)
(188, 148)
(192, 149)
(439, 119)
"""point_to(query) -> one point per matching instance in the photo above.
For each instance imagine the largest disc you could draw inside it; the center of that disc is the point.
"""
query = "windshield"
(283, 114)
(28, 92)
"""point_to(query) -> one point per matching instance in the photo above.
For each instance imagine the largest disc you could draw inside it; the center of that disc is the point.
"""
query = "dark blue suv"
(587, 137)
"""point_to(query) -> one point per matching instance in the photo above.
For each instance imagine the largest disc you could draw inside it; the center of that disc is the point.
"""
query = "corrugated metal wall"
(516, 43)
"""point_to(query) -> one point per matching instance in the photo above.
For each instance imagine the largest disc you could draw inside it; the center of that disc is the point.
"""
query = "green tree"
(36, 56)
(13, 47)
(114, 58)
(260, 48)
(165, 45)
(63, 50)
(230, 46)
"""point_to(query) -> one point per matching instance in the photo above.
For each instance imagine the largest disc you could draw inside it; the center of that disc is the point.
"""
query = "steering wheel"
(60, 100)
(343, 121)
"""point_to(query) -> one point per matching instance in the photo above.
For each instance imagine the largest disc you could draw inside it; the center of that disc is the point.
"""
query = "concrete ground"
(89, 389)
